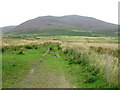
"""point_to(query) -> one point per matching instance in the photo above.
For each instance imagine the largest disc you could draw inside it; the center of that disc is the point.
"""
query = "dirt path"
(41, 76)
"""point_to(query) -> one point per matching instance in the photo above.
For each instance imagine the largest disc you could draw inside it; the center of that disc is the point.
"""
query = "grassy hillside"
(7, 28)
(67, 32)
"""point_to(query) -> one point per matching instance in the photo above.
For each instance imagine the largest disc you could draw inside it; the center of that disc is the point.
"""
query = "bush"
(76, 57)
(90, 79)
(2, 50)
(28, 47)
(21, 53)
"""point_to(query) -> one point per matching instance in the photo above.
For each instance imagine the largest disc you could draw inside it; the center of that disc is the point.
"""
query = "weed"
(21, 53)
(28, 47)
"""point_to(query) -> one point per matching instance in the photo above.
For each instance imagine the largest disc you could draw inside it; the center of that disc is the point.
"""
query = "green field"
(90, 39)
(59, 62)
(64, 32)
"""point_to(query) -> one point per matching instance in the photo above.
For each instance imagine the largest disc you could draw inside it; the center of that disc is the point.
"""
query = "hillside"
(6, 28)
(66, 25)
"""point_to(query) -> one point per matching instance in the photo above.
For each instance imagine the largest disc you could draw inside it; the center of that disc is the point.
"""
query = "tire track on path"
(41, 77)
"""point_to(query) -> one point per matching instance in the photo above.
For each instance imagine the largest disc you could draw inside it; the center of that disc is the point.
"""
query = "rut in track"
(41, 77)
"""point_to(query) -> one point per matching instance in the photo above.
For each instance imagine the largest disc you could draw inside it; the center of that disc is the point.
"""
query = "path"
(48, 73)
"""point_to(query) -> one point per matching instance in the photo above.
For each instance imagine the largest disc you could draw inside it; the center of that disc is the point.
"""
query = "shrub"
(2, 50)
(76, 57)
(28, 47)
(21, 53)
(90, 79)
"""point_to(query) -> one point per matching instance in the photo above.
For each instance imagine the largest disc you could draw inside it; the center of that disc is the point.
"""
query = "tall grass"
(87, 60)
(93, 60)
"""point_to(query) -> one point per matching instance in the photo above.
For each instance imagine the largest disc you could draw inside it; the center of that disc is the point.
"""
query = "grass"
(0, 70)
(83, 79)
(56, 64)
(15, 66)
(82, 63)
(93, 66)
(90, 39)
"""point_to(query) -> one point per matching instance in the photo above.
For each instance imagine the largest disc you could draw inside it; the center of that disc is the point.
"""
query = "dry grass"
(17, 42)
(97, 59)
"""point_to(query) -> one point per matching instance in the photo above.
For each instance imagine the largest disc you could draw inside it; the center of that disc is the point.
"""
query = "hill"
(6, 28)
(66, 25)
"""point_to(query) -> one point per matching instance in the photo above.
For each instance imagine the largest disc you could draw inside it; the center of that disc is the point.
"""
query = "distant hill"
(6, 28)
(65, 25)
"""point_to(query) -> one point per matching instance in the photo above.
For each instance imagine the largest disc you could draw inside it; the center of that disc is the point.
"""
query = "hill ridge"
(66, 23)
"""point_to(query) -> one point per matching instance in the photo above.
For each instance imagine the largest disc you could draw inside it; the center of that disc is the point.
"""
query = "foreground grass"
(18, 61)
(48, 70)
(15, 66)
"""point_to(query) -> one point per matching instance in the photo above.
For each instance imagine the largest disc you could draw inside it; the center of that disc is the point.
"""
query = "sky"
(15, 12)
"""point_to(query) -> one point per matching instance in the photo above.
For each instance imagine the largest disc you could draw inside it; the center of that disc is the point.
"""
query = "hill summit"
(64, 25)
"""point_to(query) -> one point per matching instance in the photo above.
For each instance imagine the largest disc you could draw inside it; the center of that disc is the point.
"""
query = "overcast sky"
(14, 12)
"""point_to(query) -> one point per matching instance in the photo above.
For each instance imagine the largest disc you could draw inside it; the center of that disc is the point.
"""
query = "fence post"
(107, 68)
